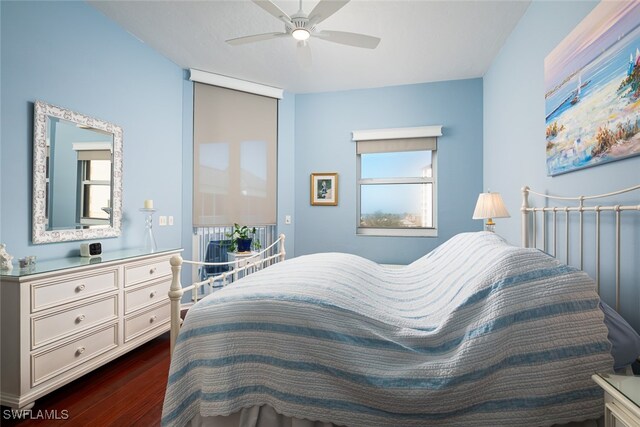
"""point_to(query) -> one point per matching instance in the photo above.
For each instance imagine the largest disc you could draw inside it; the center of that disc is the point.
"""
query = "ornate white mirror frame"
(40, 233)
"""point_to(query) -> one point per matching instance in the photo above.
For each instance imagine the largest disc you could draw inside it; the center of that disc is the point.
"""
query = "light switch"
(162, 221)
(170, 219)
(287, 219)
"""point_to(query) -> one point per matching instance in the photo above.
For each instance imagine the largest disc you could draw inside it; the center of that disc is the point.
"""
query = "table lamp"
(489, 206)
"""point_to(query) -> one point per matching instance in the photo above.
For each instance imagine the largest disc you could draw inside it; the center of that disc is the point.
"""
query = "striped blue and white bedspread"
(477, 332)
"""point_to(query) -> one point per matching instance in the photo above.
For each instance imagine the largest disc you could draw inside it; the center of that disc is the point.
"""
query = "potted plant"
(243, 239)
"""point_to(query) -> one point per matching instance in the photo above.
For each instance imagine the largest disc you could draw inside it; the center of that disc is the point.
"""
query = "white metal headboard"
(529, 223)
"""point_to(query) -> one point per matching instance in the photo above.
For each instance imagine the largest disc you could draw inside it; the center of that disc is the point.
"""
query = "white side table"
(243, 258)
(621, 399)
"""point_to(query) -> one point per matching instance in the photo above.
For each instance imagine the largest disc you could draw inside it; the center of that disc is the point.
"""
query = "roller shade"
(394, 145)
(87, 151)
(235, 152)
(94, 155)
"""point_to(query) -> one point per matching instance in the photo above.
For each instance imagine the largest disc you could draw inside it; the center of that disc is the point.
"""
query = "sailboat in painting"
(576, 97)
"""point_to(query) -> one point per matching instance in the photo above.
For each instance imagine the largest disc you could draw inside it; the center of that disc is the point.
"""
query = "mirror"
(77, 176)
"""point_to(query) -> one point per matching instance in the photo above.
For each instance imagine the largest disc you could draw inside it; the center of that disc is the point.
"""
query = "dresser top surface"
(629, 386)
(49, 266)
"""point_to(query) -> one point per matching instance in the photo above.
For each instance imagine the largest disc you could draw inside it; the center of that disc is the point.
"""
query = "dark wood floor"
(126, 392)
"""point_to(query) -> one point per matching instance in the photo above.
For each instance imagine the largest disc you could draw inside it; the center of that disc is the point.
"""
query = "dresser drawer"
(138, 273)
(137, 298)
(138, 324)
(47, 365)
(73, 320)
(71, 288)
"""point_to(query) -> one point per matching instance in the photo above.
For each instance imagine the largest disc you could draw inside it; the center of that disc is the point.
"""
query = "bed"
(477, 332)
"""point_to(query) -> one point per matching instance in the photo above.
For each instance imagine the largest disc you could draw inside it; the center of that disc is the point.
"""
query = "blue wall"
(323, 126)
(286, 170)
(514, 142)
(69, 54)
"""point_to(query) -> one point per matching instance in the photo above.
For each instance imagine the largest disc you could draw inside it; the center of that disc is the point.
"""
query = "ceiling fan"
(301, 26)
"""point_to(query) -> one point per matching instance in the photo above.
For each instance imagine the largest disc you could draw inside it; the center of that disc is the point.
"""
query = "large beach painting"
(592, 84)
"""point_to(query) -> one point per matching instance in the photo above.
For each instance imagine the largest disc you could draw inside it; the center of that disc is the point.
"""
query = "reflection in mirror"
(80, 168)
(77, 176)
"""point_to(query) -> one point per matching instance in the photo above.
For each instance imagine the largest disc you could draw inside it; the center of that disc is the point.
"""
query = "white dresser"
(621, 399)
(67, 317)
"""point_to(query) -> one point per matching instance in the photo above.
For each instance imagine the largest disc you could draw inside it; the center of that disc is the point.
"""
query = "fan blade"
(324, 9)
(304, 54)
(350, 39)
(255, 38)
(272, 9)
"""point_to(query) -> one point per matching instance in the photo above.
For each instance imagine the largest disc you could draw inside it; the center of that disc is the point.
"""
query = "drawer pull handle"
(80, 288)
(152, 294)
(152, 271)
(80, 318)
(80, 350)
(153, 319)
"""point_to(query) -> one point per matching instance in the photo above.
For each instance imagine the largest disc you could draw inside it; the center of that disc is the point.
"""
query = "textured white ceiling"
(422, 41)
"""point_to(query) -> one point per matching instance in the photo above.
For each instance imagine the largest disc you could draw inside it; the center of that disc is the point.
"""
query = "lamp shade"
(490, 205)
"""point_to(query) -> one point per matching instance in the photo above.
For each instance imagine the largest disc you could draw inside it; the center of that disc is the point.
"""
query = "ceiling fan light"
(300, 34)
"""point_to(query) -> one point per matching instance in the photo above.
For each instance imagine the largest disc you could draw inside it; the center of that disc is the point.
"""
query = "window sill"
(397, 232)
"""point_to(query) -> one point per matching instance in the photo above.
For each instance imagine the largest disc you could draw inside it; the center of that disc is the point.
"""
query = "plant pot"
(244, 245)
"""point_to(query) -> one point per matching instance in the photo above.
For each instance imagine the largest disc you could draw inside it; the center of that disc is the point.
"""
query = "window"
(96, 191)
(396, 182)
(94, 183)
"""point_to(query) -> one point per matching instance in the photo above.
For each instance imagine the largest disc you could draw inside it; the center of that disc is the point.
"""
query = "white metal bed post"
(566, 236)
(617, 210)
(581, 232)
(597, 210)
(525, 217)
(175, 295)
(283, 252)
(545, 245)
(555, 232)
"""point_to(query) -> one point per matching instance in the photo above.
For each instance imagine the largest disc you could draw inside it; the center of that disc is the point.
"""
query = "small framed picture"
(324, 189)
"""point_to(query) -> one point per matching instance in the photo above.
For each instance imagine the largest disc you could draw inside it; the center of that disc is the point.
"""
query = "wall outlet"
(170, 219)
(162, 221)
(287, 219)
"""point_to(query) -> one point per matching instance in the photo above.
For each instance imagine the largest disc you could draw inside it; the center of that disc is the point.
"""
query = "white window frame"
(391, 134)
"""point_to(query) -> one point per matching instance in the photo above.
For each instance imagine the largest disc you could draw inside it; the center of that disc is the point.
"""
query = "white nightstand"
(243, 259)
(621, 399)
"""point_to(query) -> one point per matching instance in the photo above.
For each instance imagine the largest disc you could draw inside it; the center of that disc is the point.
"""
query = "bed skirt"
(255, 416)
(266, 416)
